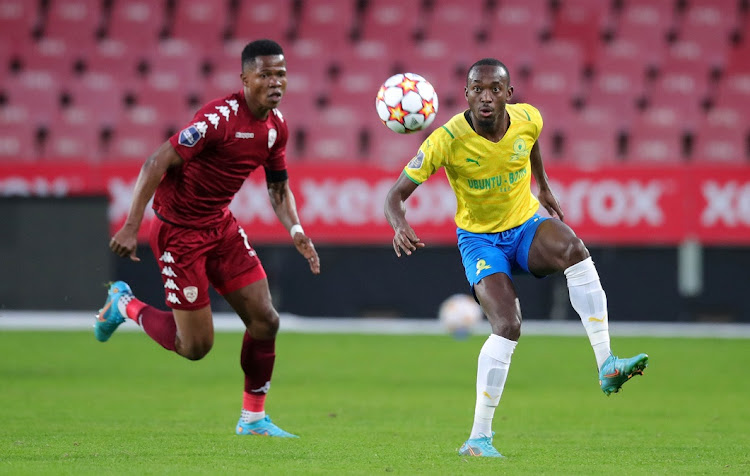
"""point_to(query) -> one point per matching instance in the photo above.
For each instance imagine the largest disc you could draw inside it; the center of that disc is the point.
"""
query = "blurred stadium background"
(646, 138)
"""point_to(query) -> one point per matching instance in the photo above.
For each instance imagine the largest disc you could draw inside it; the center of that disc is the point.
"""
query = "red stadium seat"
(327, 140)
(77, 142)
(456, 24)
(200, 22)
(263, 19)
(709, 23)
(582, 22)
(391, 150)
(738, 61)
(17, 19)
(18, 143)
(681, 92)
(519, 23)
(307, 68)
(654, 145)
(99, 93)
(330, 21)
(559, 56)
(735, 90)
(170, 105)
(619, 79)
(720, 144)
(137, 23)
(590, 137)
(688, 56)
(35, 90)
(173, 64)
(392, 21)
(136, 136)
(113, 57)
(48, 54)
(646, 23)
(74, 21)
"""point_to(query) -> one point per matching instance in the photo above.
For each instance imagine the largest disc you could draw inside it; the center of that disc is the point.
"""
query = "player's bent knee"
(195, 350)
(575, 252)
(270, 321)
(509, 330)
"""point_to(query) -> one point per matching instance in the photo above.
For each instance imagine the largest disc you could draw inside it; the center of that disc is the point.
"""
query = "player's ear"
(509, 94)
(466, 92)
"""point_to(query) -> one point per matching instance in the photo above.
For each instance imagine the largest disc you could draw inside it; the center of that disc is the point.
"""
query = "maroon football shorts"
(191, 258)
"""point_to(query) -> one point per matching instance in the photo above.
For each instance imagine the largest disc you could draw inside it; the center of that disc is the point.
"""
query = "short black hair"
(488, 62)
(259, 48)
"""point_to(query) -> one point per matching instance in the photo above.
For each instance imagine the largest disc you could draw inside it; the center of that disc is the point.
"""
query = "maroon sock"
(159, 325)
(257, 360)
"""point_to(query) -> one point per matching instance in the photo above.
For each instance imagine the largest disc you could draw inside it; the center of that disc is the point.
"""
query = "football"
(460, 314)
(406, 103)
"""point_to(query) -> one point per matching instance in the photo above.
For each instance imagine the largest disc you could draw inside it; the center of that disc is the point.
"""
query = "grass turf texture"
(367, 405)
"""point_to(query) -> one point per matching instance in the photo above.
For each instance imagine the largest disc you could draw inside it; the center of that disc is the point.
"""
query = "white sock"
(249, 417)
(492, 371)
(590, 302)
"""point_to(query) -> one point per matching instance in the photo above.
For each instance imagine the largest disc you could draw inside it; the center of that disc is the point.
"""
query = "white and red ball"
(406, 103)
(460, 314)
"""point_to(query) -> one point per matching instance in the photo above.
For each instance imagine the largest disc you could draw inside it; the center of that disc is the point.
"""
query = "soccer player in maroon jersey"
(196, 239)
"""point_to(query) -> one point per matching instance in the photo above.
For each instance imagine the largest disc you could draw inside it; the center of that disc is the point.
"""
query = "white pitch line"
(228, 322)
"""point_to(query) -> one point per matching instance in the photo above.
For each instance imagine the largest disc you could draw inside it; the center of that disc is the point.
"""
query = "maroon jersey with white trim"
(220, 147)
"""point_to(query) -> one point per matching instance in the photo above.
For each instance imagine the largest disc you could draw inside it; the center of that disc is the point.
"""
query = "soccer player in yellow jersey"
(489, 153)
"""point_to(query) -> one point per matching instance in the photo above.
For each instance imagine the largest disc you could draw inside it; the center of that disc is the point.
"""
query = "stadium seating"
(18, 19)
(657, 70)
(74, 21)
(138, 23)
(720, 144)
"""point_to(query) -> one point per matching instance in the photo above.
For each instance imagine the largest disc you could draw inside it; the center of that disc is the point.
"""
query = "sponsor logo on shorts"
(481, 266)
(191, 293)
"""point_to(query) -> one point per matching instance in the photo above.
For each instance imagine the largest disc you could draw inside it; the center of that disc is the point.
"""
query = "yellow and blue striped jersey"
(492, 181)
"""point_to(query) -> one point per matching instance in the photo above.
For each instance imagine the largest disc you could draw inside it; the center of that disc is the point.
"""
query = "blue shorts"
(484, 254)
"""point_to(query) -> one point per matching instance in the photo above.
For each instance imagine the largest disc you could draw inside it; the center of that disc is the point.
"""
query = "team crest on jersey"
(416, 162)
(271, 137)
(520, 151)
(191, 293)
(189, 136)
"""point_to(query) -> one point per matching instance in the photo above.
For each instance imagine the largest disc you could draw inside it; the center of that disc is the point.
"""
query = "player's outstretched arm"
(285, 207)
(404, 239)
(546, 197)
(125, 241)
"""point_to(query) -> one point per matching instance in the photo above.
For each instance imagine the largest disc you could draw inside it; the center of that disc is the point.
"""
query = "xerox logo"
(613, 203)
(727, 204)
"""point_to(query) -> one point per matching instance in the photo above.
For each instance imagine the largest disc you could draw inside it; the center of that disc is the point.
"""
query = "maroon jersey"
(222, 145)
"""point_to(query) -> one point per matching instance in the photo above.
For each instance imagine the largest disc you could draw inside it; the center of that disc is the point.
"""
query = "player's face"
(487, 92)
(265, 82)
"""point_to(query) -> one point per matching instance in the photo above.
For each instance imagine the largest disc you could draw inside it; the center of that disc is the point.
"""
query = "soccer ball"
(460, 314)
(406, 103)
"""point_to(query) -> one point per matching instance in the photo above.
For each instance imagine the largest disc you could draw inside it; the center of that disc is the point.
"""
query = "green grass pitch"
(368, 404)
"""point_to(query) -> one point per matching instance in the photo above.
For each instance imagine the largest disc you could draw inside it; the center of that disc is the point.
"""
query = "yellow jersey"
(491, 180)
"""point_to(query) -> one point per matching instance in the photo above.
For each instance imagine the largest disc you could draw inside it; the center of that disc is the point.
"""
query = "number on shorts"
(244, 237)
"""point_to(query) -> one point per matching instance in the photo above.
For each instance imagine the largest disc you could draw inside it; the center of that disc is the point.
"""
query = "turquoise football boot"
(264, 427)
(481, 446)
(109, 317)
(616, 371)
